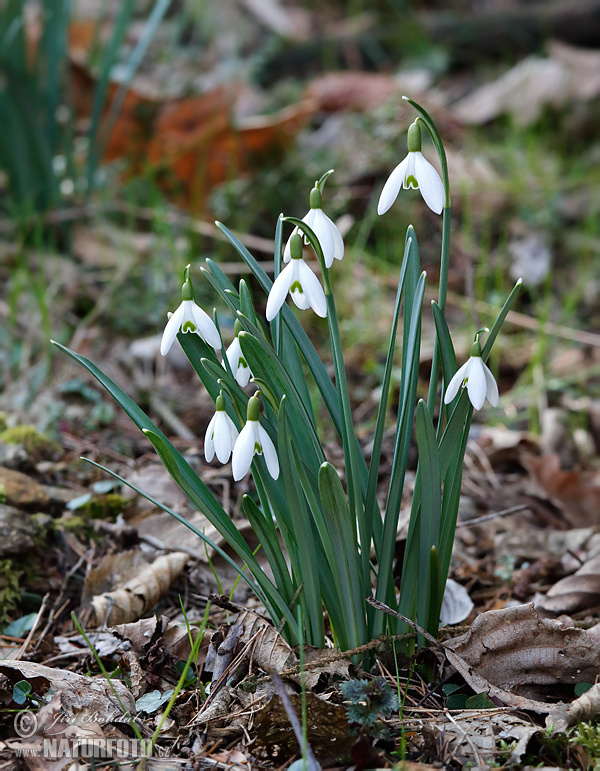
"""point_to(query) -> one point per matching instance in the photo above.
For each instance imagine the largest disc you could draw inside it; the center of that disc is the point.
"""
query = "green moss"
(107, 506)
(35, 442)
(10, 590)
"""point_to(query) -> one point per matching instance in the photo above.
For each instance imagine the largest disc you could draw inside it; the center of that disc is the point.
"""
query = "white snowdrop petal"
(476, 385)
(492, 387)
(279, 290)
(338, 241)
(206, 327)
(455, 383)
(269, 452)
(209, 445)
(430, 184)
(309, 218)
(392, 187)
(322, 227)
(171, 330)
(243, 375)
(300, 299)
(313, 290)
(243, 452)
(410, 181)
(222, 437)
(233, 354)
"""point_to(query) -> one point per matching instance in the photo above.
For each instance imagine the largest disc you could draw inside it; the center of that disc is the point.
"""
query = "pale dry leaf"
(270, 651)
(139, 594)
(172, 636)
(566, 75)
(519, 652)
(587, 706)
(575, 492)
(79, 694)
(574, 594)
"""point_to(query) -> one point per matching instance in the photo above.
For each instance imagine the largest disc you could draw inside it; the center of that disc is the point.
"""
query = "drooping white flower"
(324, 228)
(253, 440)
(237, 362)
(415, 171)
(220, 435)
(302, 284)
(475, 375)
(189, 317)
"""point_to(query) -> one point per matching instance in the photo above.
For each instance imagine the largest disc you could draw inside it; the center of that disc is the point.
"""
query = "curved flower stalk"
(476, 377)
(415, 171)
(324, 228)
(221, 434)
(253, 440)
(299, 280)
(237, 362)
(189, 317)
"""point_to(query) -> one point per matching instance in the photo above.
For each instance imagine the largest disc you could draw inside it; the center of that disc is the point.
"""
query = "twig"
(40, 613)
(493, 515)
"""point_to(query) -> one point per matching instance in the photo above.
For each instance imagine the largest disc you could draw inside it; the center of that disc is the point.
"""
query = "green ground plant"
(329, 530)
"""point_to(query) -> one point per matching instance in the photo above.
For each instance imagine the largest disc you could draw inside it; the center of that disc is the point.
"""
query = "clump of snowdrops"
(328, 542)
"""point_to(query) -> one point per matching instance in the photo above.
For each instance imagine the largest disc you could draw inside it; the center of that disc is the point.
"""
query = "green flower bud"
(237, 327)
(220, 403)
(296, 246)
(253, 410)
(414, 138)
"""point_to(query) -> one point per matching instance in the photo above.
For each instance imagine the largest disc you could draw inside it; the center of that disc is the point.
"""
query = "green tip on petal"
(414, 138)
(220, 403)
(316, 199)
(237, 327)
(187, 290)
(253, 410)
(296, 246)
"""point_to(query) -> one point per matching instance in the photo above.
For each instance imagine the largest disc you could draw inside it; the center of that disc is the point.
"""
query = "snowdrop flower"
(299, 280)
(253, 440)
(416, 172)
(220, 435)
(189, 317)
(477, 378)
(235, 357)
(325, 230)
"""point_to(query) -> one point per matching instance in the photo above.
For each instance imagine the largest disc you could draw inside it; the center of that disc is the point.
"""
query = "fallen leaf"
(17, 489)
(135, 594)
(456, 605)
(576, 493)
(516, 650)
(574, 594)
(79, 694)
(327, 729)
(270, 651)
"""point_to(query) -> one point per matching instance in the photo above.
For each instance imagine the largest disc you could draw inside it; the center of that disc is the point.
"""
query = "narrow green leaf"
(342, 531)
(448, 355)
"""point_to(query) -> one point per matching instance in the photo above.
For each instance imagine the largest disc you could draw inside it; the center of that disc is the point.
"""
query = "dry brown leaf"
(270, 651)
(174, 638)
(576, 493)
(566, 75)
(360, 91)
(131, 595)
(574, 594)
(587, 706)
(328, 733)
(519, 652)
(79, 694)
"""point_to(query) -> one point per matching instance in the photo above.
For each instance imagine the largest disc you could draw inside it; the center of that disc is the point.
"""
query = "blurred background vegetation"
(128, 127)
